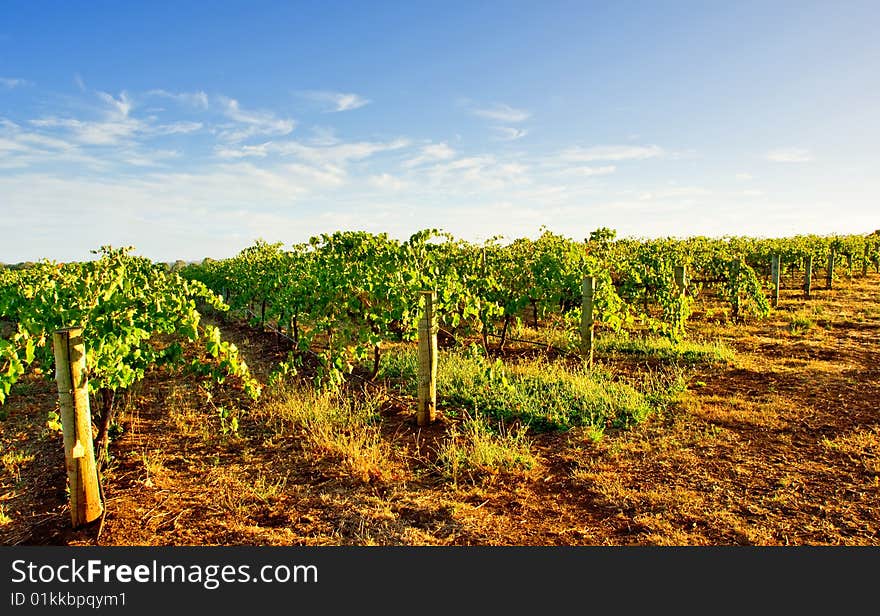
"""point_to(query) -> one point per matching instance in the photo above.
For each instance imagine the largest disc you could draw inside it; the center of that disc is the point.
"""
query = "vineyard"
(359, 389)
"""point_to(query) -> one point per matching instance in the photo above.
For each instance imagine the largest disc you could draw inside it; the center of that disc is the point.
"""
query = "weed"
(12, 462)
(475, 451)
(799, 323)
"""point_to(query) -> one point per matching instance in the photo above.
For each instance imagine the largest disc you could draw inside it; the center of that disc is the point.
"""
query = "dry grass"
(474, 451)
(343, 430)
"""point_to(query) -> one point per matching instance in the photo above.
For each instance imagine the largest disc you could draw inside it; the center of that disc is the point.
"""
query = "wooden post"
(849, 264)
(427, 411)
(865, 261)
(830, 275)
(808, 276)
(588, 290)
(775, 266)
(76, 425)
(680, 275)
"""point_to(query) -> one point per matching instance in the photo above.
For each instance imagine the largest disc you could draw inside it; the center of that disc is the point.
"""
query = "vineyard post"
(680, 275)
(588, 289)
(865, 261)
(849, 264)
(76, 425)
(484, 327)
(830, 274)
(427, 411)
(808, 276)
(775, 263)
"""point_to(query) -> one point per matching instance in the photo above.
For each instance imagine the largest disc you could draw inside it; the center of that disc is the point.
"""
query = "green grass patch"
(658, 347)
(538, 393)
(685, 351)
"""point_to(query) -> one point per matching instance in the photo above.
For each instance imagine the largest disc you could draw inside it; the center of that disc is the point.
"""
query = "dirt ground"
(779, 447)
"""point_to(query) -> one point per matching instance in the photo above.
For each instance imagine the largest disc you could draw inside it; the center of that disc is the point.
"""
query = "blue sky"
(191, 131)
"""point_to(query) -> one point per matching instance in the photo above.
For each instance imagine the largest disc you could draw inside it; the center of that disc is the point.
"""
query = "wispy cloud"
(789, 155)
(744, 177)
(611, 153)
(337, 101)
(430, 153)
(21, 148)
(591, 171)
(251, 123)
(176, 128)
(386, 181)
(80, 83)
(337, 153)
(150, 158)
(121, 106)
(197, 99)
(115, 126)
(508, 133)
(473, 174)
(14, 82)
(112, 127)
(109, 132)
(501, 112)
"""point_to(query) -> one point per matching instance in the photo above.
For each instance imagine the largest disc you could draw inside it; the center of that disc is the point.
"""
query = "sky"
(190, 130)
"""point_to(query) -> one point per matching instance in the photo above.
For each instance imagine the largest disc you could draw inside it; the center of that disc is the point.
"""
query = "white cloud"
(93, 133)
(197, 99)
(789, 155)
(475, 174)
(78, 80)
(431, 153)
(500, 112)
(344, 152)
(338, 101)
(326, 175)
(176, 128)
(116, 127)
(744, 177)
(254, 123)
(592, 171)
(753, 193)
(152, 158)
(121, 106)
(20, 148)
(337, 153)
(507, 133)
(14, 82)
(610, 152)
(386, 181)
(245, 151)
